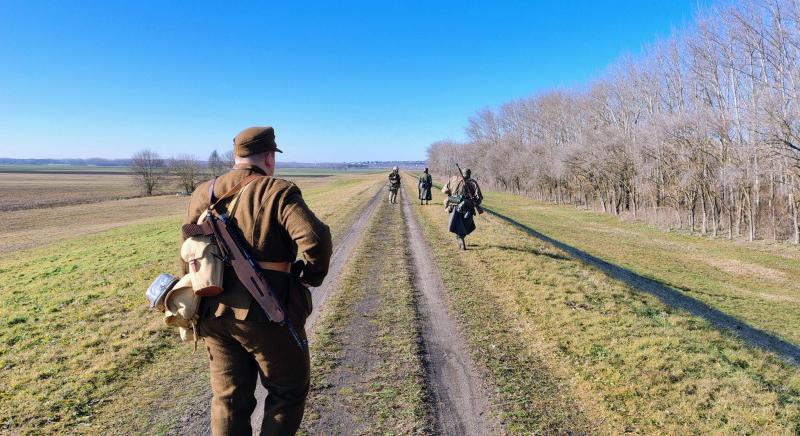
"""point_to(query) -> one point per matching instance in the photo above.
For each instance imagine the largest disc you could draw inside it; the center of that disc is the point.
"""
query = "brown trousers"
(238, 352)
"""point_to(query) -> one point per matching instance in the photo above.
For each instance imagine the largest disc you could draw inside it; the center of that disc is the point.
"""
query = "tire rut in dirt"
(459, 402)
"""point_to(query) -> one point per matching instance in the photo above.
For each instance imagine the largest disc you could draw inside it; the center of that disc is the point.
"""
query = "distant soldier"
(463, 201)
(241, 341)
(394, 184)
(425, 183)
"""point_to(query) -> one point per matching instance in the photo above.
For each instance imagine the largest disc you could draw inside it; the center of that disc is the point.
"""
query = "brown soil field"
(35, 227)
(20, 191)
(38, 209)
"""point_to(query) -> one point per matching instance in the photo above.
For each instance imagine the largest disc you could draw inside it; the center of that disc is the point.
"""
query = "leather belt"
(276, 266)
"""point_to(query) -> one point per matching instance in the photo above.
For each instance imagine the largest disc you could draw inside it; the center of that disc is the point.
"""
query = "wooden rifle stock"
(246, 268)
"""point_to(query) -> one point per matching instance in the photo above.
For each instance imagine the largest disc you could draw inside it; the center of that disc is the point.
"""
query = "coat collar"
(249, 167)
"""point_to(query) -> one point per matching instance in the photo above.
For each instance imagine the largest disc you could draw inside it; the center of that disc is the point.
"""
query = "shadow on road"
(668, 295)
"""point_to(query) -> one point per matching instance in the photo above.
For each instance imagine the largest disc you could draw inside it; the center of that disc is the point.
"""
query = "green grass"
(386, 396)
(79, 326)
(569, 349)
(757, 283)
(79, 350)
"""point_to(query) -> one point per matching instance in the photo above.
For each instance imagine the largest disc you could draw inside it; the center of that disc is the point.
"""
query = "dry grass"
(27, 228)
(757, 283)
(569, 349)
(79, 350)
(36, 227)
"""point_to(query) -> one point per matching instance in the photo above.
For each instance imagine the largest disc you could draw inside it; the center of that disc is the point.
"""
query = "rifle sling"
(231, 192)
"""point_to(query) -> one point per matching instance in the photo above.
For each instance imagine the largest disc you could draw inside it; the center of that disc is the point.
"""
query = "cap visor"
(278, 150)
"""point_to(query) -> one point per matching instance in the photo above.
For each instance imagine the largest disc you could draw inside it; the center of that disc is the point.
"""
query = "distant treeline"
(127, 162)
(95, 161)
(700, 132)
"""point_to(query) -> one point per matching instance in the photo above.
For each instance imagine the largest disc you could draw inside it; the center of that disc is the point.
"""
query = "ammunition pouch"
(205, 265)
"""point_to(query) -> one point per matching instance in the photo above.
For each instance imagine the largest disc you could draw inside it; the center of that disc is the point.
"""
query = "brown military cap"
(254, 140)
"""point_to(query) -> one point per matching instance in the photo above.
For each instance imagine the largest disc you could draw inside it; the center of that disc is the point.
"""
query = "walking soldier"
(425, 184)
(394, 184)
(242, 343)
(463, 201)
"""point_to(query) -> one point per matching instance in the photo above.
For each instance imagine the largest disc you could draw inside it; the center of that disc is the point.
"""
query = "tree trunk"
(793, 202)
(750, 224)
(704, 223)
(772, 206)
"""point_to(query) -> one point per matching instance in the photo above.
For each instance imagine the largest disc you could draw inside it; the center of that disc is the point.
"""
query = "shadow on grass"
(527, 250)
(671, 297)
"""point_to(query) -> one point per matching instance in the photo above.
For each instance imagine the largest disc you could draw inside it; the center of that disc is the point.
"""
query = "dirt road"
(341, 253)
(459, 402)
(452, 399)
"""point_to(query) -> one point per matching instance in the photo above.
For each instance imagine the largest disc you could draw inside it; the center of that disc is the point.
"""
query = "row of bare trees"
(151, 171)
(700, 132)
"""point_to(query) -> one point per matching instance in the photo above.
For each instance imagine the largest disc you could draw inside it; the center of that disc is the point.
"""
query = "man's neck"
(249, 166)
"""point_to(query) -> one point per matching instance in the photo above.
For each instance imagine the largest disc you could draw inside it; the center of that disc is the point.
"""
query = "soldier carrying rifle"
(425, 184)
(244, 338)
(463, 201)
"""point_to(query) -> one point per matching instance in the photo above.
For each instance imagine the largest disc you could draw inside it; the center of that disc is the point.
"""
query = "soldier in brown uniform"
(242, 343)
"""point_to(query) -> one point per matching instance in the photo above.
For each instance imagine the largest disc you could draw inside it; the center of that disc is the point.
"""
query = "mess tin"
(158, 290)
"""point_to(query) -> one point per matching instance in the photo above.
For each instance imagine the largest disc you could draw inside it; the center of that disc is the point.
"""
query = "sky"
(339, 81)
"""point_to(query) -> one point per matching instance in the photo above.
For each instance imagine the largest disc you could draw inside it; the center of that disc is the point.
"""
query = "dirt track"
(459, 402)
(341, 253)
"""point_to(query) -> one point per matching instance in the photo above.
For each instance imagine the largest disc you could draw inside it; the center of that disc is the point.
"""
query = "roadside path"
(460, 404)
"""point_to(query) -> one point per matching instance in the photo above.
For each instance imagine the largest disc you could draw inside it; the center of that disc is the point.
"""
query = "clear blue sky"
(339, 81)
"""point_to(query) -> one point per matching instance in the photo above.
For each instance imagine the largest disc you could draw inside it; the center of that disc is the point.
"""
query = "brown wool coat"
(277, 225)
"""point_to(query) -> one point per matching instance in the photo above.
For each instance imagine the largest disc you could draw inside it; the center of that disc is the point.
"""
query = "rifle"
(235, 253)
(468, 191)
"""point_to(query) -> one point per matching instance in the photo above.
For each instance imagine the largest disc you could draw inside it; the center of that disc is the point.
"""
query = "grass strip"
(755, 282)
(571, 350)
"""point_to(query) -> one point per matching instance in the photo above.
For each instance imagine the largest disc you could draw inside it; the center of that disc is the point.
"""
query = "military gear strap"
(211, 198)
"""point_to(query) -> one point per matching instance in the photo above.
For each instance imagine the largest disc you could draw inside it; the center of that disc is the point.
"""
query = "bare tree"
(228, 158)
(700, 132)
(148, 169)
(216, 165)
(187, 170)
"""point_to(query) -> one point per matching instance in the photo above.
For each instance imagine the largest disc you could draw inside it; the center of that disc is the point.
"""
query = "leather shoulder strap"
(211, 198)
(236, 188)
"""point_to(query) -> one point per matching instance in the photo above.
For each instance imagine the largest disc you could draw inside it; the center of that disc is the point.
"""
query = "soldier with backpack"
(276, 227)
